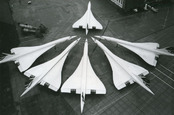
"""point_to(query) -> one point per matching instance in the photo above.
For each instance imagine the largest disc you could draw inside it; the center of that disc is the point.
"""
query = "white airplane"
(24, 57)
(124, 73)
(88, 21)
(84, 80)
(48, 73)
(149, 52)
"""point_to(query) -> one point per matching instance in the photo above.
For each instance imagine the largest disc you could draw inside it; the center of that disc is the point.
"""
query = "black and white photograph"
(86, 57)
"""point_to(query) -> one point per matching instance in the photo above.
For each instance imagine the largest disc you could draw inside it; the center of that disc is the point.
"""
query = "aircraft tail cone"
(143, 85)
(146, 88)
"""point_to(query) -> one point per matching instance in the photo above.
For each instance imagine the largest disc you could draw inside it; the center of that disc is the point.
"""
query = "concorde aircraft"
(24, 57)
(87, 21)
(149, 52)
(84, 80)
(48, 73)
(124, 73)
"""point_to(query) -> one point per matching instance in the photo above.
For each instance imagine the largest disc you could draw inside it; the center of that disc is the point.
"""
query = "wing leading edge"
(84, 80)
(149, 52)
(88, 21)
(124, 73)
(25, 56)
(49, 73)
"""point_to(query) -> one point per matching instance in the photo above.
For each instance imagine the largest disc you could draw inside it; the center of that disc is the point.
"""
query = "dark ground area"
(58, 16)
(8, 40)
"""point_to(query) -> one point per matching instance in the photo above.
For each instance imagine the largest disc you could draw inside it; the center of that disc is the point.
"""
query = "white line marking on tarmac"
(24, 41)
(162, 80)
(167, 69)
(147, 102)
(164, 74)
(105, 107)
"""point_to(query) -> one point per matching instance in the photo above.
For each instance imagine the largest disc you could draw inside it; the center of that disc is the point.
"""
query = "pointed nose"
(93, 39)
(89, 5)
(71, 37)
(24, 93)
(78, 39)
(100, 37)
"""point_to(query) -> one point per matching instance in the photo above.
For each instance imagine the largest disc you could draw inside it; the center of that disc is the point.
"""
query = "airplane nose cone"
(89, 5)
(71, 37)
(78, 39)
(93, 39)
(99, 37)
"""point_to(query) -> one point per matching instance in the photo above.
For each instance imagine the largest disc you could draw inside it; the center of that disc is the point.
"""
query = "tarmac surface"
(58, 16)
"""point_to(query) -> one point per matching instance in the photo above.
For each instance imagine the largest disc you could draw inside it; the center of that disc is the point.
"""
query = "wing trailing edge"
(84, 80)
(149, 52)
(48, 73)
(24, 57)
(124, 72)
(87, 21)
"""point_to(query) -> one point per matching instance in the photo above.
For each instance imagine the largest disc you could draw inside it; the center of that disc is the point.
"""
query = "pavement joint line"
(105, 107)
(164, 74)
(166, 18)
(158, 31)
(162, 80)
(140, 109)
(167, 69)
(28, 40)
(116, 101)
